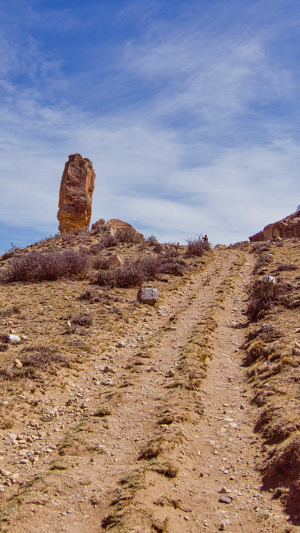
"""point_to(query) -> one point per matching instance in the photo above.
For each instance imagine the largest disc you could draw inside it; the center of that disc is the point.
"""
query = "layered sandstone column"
(75, 194)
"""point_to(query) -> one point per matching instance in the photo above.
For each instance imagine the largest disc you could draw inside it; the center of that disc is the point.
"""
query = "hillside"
(181, 417)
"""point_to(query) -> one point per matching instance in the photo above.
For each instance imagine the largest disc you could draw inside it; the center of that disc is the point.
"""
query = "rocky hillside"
(117, 416)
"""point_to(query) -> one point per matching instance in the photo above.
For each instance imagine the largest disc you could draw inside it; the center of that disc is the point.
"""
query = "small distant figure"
(205, 238)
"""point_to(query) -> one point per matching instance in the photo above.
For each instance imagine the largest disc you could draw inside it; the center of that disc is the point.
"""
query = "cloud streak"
(191, 128)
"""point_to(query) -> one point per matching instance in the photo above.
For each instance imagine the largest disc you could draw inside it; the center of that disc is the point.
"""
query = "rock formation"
(284, 229)
(121, 230)
(75, 194)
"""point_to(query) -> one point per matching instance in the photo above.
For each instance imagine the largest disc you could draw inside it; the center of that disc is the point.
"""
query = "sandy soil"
(152, 450)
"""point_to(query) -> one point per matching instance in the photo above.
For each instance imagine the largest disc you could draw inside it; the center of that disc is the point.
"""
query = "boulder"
(283, 229)
(75, 195)
(147, 295)
(123, 231)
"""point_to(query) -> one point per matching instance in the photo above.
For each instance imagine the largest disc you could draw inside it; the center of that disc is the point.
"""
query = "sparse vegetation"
(37, 266)
(197, 246)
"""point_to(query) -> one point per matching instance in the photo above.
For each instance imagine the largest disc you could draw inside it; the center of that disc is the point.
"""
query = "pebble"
(14, 339)
(107, 381)
(225, 499)
(171, 373)
(17, 363)
(24, 462)
(108, 369)
(5, 473)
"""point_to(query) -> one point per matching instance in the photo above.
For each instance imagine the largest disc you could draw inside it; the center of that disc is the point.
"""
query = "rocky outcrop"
(123, 231)
(75, 195)
(284, 229)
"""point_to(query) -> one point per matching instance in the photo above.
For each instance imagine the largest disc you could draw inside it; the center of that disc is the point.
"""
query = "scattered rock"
(107, 381)
(171, 373)
(108, 369)
(14, 339)
(17, 363)
(147, 295)
(225, 499)
(5, 473)
(75, 195)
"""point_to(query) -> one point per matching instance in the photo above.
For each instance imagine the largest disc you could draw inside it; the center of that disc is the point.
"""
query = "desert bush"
(175, 268)
(264, 295)
(262, 261)
(151, 239)
(259, 247)
(134, 273)
(108, 241)
(158, 248)
(83, 319)
(44, 359)
(99, 263)
(262, 298)
(129, 275)
(37, 266)
(91, 296)
(286, 266)
(197, 247)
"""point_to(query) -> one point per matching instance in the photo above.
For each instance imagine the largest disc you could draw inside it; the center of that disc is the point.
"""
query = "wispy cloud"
(190, 128)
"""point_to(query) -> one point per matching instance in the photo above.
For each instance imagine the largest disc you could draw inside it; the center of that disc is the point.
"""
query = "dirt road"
(167, 443)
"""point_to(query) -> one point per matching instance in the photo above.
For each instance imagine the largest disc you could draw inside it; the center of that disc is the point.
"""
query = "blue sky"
(189, 111)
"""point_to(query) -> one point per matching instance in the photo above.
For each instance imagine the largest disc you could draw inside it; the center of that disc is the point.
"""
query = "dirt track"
(159, 456)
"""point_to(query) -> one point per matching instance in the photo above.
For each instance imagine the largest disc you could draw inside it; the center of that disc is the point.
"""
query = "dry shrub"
(83, 319)
(37, 266)
(3, 347)
(44, 360)
(91, 296)
(134, 273)
(262, 261)
(259, 247)
(99, 263)
(158, 248)
(286, 266)
(262, 298)
(151, 239)
(197, 247)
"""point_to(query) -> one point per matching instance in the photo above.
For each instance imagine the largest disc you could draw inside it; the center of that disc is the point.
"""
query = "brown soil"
(143, 418)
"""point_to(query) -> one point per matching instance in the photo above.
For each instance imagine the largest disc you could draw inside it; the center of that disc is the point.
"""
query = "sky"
(188, 109)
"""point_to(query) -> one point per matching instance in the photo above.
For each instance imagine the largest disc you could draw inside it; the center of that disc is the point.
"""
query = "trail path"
(214, 452)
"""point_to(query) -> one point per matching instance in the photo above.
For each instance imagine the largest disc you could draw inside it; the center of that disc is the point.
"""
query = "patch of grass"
(102, 412)
(167, 469)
